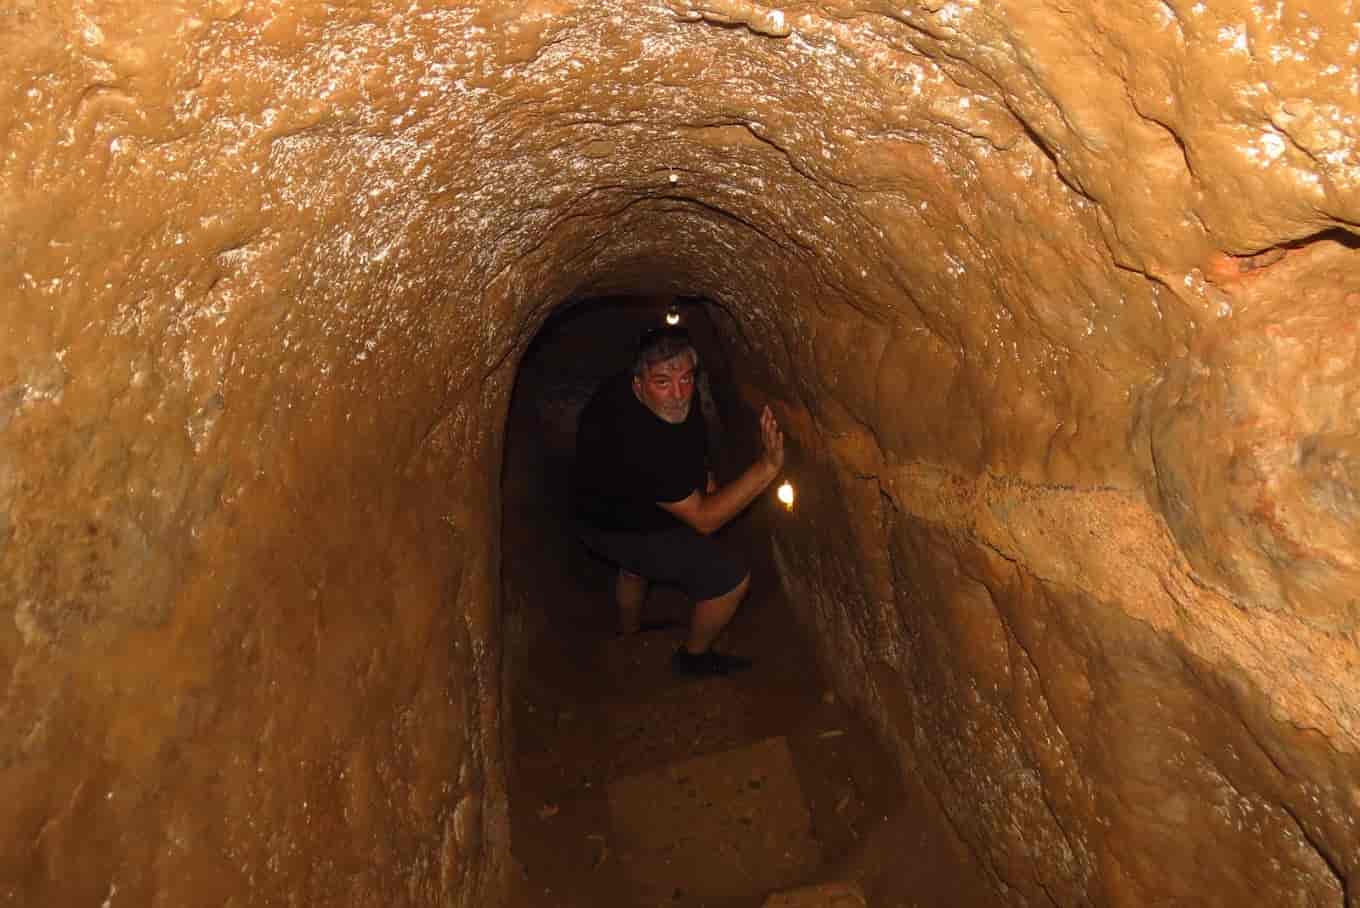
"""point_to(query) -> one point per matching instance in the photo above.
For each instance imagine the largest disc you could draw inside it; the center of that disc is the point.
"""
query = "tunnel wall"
(1055, 302)
(248, 485)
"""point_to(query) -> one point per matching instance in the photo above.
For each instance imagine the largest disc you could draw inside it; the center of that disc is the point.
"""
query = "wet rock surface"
(1056, 303)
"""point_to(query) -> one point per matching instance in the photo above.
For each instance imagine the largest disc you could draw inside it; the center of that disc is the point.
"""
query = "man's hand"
(708, 511)
(772, 440)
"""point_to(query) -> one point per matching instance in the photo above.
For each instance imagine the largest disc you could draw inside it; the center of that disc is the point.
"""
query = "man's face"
(667, 388)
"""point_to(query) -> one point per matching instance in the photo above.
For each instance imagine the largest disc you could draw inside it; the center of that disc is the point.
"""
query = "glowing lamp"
(673, 316)
(785, 494)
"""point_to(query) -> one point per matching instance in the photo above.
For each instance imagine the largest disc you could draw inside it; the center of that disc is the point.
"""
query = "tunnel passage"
(1080, 487)
(629, 784)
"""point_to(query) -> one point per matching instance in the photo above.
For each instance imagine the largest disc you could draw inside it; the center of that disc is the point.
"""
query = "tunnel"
(1056, 303)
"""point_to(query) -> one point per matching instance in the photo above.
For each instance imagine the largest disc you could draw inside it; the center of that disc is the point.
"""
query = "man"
(645, 499)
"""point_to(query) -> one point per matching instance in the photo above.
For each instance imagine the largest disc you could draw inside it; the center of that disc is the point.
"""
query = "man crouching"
(645, 499)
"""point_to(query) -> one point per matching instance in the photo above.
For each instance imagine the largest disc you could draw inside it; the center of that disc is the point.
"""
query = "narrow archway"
(631, 786)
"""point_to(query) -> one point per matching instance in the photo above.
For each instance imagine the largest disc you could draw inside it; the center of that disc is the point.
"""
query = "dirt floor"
(631, 786)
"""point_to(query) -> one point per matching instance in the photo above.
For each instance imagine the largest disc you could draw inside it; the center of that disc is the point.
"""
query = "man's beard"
(677, 414)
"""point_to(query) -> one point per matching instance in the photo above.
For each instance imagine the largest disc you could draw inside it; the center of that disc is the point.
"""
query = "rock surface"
(827, 895)
(1055, 300)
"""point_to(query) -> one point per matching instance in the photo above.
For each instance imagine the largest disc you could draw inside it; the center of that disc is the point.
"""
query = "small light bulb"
(672, 316)
(785, 495)
(675, 178)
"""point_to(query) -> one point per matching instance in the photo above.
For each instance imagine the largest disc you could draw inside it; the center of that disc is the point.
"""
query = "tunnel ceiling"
(987, 160)
(270, 266)
(1026, 189)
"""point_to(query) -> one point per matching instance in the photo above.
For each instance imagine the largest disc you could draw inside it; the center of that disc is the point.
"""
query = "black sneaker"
(707, 664)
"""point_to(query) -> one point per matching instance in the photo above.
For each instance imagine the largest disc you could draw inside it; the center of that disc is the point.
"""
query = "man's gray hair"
(660, 344)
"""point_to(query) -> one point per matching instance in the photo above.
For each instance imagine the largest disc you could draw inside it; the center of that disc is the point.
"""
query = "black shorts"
(680, 557)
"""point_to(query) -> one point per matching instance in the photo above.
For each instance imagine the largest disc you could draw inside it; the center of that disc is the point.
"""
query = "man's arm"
(709, 512)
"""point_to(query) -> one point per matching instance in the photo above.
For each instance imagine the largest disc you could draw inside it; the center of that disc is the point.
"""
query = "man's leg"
(630, 590)
(712, 615)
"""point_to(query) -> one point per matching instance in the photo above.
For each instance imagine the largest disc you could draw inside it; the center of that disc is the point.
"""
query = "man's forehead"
(676, 365)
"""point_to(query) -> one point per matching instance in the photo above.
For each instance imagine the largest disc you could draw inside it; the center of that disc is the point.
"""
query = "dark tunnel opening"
(629, 785)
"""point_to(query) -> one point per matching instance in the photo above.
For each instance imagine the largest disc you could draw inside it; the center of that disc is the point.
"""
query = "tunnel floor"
(630, 786)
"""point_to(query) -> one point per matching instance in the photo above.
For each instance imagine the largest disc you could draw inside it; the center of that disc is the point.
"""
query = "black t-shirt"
(628, 458)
